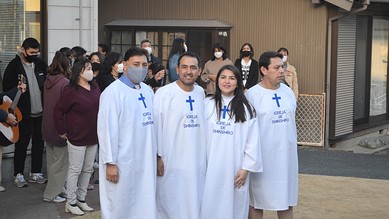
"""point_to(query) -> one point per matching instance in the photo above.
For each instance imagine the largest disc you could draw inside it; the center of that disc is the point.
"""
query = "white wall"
(64, 30)
(68, 27)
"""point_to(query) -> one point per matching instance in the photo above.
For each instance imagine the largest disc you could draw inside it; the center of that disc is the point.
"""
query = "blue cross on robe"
(224, 110)
(190, 101)
(276, 98)
(142, 98)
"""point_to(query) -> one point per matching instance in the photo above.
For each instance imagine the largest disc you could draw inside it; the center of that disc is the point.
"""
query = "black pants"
(29, 128)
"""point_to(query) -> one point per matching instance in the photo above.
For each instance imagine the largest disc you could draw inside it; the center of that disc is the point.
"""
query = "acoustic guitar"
(10, 134)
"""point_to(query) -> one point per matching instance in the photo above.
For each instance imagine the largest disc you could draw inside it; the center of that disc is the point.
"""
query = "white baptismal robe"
(276, 188)
(230, 147)
(127, 138)
(180, 126)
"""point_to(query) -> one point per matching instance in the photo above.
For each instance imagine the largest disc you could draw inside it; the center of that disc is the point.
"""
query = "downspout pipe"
(80, 22)
(329, 51)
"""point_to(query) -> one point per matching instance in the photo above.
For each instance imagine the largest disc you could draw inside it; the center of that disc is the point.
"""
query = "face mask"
(87, 75)
(284, 58)
(96, 66)
(30, 58)
(149, 50)
(246, 53)
(136, 75)
(218, 55)
(120, 68)
(185, 48)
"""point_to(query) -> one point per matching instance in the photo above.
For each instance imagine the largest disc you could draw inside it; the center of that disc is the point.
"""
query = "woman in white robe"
(233, 148)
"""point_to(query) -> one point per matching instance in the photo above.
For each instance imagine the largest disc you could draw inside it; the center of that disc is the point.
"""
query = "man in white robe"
(276, 188)
(127, 141)
(179, 121)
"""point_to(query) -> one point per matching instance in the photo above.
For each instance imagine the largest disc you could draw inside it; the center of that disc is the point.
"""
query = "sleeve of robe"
(160, 98)
(108, 127)
(252, 160)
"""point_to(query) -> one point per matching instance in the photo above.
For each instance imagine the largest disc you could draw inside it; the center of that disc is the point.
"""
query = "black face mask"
(246, 53)
(30, 58)
(96, 66)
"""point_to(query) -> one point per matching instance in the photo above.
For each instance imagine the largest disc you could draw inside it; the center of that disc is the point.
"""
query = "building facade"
(339, 47)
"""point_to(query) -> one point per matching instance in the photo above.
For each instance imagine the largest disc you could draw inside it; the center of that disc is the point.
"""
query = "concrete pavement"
(333, 184)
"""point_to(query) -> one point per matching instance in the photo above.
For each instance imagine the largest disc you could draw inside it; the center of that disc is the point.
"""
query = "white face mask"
(120, 68)
(218, 55)
(186, 48)
(284, 59)
(149, 50)
(87, 75)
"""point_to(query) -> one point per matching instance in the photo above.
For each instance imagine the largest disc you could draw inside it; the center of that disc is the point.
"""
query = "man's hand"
(22, 87)
(112, 173)
(11, 120)
(160, 166)
(240, 178)
(160, 75)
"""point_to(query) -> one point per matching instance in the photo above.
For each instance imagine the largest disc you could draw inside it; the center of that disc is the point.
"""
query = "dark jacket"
(154, 59)
(11, 94)
(253, 73)
(53, 88)
(104, 80)
(10, 80)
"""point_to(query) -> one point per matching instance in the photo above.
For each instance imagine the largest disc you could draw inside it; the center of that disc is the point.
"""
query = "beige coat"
(291, 79)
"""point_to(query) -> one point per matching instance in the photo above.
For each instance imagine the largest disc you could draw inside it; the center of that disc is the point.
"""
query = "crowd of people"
(165, 146)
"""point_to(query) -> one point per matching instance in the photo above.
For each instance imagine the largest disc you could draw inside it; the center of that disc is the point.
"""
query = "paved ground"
(333, 184)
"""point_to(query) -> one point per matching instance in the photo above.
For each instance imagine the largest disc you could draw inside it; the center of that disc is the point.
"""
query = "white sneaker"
(57, 199)
(73, 209)
(64, 193)
(84, 206)
(2, 189)
(37, 178)
(19, 181)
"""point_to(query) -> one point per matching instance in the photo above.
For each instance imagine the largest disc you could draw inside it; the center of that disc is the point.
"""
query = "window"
(371, 84)
(379, 66)
(121, 41)
(19, 19)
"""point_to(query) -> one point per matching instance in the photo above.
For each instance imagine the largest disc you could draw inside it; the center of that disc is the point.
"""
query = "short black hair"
(135, 51)
(30, 43)
(145, 41)
(191, 54)
(79, 52)
(264, 59)
(104, 47)
(283, 49)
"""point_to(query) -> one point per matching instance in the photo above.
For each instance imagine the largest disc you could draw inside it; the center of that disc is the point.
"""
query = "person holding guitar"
(28, 64)
(8, 117)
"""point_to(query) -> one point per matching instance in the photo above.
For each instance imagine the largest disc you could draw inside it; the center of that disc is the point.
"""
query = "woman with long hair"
(178, 47)
(218, 59)
(75, 117)
(233, 148)
(111, 70)
(248, 66)
(56, 147)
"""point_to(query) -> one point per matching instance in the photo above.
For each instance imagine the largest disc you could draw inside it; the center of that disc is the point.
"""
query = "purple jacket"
(76, 114)
(52, 91)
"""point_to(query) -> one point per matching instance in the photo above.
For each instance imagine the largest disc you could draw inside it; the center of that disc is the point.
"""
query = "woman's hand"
(240, 178)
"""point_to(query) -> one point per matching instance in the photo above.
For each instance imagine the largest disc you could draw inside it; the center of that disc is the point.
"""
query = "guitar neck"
(15, 101)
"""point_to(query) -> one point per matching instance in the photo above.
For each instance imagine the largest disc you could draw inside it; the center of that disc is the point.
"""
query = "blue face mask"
(136, 75)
